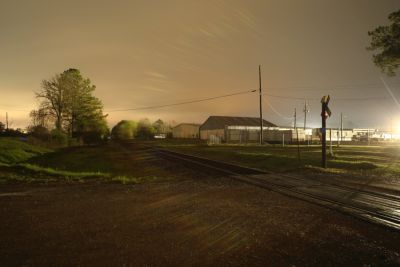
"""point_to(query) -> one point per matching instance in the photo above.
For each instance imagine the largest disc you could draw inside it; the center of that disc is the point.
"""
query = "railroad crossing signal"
(326, 112)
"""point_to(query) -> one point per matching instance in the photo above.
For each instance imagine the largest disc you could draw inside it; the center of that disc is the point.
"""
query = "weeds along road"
(193, 218)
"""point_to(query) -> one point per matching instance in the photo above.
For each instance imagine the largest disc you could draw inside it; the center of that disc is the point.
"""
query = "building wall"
(186, 131)
(269, 135)
(278, 136)
(206, 134)
(236, 134)
(242, 136)
(347, 135)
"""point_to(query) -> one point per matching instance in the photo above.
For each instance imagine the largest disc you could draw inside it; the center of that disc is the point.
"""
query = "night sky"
(147, 53)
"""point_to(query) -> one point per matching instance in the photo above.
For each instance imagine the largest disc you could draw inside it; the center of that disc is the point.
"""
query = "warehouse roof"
(219, 122)
(189, 124)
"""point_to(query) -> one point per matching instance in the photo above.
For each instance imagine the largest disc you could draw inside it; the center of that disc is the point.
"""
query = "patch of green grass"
(135, 180)
(61, 173)
(23, 162)
(13, 150)
(82, 159)
(379, 161)
(25, 172)
(105, 163)
(352, 165)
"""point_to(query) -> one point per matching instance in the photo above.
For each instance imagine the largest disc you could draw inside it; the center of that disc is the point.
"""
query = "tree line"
(142, 129)
(69, 112)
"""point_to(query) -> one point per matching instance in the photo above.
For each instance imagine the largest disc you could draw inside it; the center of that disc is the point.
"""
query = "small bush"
(59, 137)
(40, 132)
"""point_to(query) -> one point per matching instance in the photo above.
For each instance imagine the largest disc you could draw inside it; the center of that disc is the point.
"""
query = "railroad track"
(372, 206)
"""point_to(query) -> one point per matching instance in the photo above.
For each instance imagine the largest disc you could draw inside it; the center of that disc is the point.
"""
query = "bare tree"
(54, 93)
(40, 117)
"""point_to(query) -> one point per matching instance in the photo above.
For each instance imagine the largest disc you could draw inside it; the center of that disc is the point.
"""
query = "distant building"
(288, 134)
(348, 134)
(233, 129)
(186, 130)
(337, 134)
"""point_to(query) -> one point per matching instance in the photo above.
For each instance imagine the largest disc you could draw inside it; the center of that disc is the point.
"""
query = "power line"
(373, 98)
(288, 97)
(361, 86)
(276, 111)
(336, 98)
(184, 102)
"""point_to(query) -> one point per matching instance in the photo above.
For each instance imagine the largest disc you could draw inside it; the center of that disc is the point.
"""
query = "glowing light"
(396, 127)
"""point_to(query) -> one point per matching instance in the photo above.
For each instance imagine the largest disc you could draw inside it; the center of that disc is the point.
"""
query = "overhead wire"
(371, 98)
(275, 110)
(336, 98)
(183, 102)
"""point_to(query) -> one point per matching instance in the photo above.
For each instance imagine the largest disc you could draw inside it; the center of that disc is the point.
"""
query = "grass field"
(114, 162)
(14, 150)
(21, 161)
(382, 161)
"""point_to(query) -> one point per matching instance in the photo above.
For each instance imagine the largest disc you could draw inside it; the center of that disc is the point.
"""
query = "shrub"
(59, 137)
(124, 129)
(40, 132)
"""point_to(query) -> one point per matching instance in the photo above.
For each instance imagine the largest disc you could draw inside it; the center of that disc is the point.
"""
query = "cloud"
(154, 89)
(156, 75)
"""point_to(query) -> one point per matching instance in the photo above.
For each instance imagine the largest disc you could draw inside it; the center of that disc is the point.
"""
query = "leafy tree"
(84, 111)
(159, 127)
(124, 129)
(386, 40)
(145, 130)
(68, 99)
(2, 127)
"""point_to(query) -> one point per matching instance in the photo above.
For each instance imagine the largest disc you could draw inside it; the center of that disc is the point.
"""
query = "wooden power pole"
(324, 115)
(7, 120)
(341, 127)
(305, 114)
(261, 114)
(297, 134)
(306, 110)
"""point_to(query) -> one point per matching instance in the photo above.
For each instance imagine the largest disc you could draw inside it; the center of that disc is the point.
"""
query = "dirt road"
(205, 221)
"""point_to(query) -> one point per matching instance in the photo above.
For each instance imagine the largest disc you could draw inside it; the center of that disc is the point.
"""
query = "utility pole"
(341, 127)
(323, 136)
(330, 142)
(261, 115)
(7, 120)
(337, 137)
(324, 115)
(306, 110)
(297, 134)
